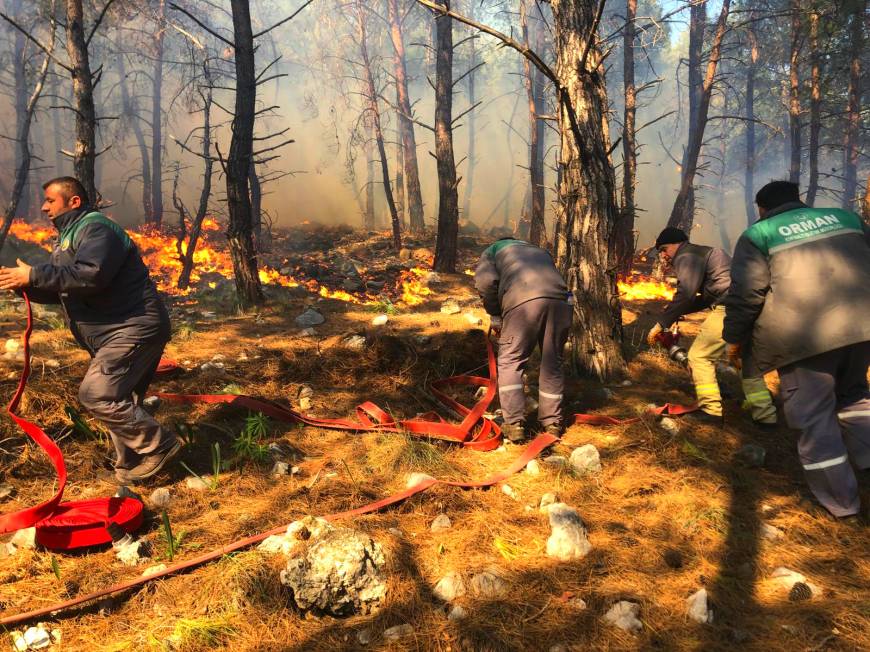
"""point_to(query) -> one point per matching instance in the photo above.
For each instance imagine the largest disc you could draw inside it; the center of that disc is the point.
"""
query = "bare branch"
(281, 22)
(208, 29)
(36, 42)
(98, 22)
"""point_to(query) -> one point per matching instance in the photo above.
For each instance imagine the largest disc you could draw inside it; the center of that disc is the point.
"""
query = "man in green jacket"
(799, 302)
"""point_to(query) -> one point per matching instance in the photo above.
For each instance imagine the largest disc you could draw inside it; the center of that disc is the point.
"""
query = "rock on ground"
(669, 425)
(309, 318)
(449, 587)
(697, 607)
(133, 553)
(160, 498)
(546, 501)
(585, 459)
(441, 523)
(624, 614)
(457, 613)
(25, 538)
(195, 484)
(450, 307)
(153, 570)
(416, 478)
(788, 579)
(533, 468)
(397, 632)
(340, 573)
(488, 584)
(752, 455)
(770, 532)
(297, 533)
(568, 538)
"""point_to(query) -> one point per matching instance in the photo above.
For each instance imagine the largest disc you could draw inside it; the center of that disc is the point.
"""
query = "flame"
(414, 291)
(641, 288)
(469, 272)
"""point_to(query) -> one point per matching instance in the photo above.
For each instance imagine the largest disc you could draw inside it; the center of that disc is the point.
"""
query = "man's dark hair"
(69, 187)
(777, 193)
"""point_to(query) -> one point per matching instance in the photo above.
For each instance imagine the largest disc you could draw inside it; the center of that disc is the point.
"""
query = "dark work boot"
(705, 418)
(555, 429)
(149, 465)
(514, 432)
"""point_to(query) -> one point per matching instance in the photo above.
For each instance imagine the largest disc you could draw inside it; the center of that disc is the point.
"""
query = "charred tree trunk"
(533, 83)
(448, 197)
(815, 109)
(371, 95)
(587, 211)
(241, 244)
(794, 100)
(256, 207)
(132, 117)
(400, 184)
(681, 215)
(22, 137)
(851, 149)
(156, 214)
(625, 226)
(83, 99)
(406, 127)
(749, 173)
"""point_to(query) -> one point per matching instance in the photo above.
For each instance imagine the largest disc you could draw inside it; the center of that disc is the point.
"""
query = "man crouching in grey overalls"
(112, 308)
(528, 303)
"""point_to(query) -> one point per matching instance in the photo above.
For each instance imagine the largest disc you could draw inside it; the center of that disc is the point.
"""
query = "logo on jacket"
(64, 245)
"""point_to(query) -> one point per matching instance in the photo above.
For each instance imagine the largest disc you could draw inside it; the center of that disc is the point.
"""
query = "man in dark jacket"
(113, 310)
(528, 303)
(799, 303)
(703, 276)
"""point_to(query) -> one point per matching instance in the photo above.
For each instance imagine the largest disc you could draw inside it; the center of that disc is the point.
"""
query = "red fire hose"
(369, 417)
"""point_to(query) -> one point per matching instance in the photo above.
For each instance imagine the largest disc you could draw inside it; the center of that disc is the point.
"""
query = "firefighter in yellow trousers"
(703, 277)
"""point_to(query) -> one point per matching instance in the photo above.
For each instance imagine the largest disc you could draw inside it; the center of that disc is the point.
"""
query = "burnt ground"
(668, 514)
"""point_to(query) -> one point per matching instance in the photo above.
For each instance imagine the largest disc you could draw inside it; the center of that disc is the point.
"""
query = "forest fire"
(414, 290)
(643, 288)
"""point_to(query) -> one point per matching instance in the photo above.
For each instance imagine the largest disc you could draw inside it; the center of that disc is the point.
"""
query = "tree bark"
(406, 126)
(256, 207)
(534, 89)
(132, 115)
(369, 148)
(83, 99)
(156, 215)
(587, 211)
(448, 197)
(241, 244)
(794, 101)
(681, 215)
(749, 172)
(625, 227)
(371, 94)
(851, 149)
(815, 109)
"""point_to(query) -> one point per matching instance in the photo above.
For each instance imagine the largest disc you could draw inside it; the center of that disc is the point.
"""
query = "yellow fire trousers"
(706, 350)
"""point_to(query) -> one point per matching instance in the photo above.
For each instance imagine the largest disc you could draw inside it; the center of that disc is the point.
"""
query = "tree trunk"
(400, 184)
(83, 99)
(587, 210)
(406, 127)
(685, 197)
(19, 75)
(533, 83)
(369, 216)
(625, 227)
(815, 109)
(794, 101)
(256, 207)
(448, 197)
(57, 129)
(241, 244)
(22, 134)
(851, 149)
(132, 116)
(156, 215)
(371, 95)
(749, 173)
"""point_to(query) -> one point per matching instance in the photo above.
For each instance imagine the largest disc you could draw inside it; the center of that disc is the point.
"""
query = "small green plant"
(173, 543)
(185, 332)
(248, 445)
(384, 306)
(55, 567)
(215, 464)
(79, 426)
(257, 425)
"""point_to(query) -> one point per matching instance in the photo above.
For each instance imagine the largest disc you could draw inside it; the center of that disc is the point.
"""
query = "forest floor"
(669, 513)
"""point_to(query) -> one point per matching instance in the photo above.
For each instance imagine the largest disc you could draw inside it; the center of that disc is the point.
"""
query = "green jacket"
(800, 285)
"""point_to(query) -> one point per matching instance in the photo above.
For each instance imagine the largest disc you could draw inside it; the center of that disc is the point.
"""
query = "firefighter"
(703, 277)
(112, 307)
(799, 302)
(528, 303)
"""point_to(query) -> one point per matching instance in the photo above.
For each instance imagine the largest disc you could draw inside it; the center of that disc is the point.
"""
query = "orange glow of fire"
(414, 291)
(641, 288)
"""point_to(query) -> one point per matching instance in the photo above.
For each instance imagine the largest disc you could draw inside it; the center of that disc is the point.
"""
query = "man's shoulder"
(91, 222)
(800, 224)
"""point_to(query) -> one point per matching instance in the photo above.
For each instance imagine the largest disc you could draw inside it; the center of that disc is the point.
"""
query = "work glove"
(654, 332)
(495, 325)
(735, 355)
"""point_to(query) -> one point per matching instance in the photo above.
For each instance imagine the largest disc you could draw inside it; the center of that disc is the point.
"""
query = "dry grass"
(666, 516)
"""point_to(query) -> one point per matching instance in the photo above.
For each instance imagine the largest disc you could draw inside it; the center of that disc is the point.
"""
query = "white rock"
(18, 642)
(576, 603)
(547, 500)
(450, 308)
(160, 498)
(449, 587)
(280, 468)
(669, 425)
(212, 366)
(787, 578)
(770, 532)
(272, 544)
(37, 638)
(568, 538)
(624, 614)
(218, 357)
(441, 523)
(12, 345)
(697, 607)
(364, 636)
(416, 478)
(533, 468)
(509, 491)
(586, 459)
(626, 383)
(196, 484)
(153, 570)
(380, 320)
(396, 532)
(134, 553)
(488, 584)
(557, 461)
(354, 342)
(397, 632)
(457, 613)
(25, 538)
(305, 403)
(473, 319)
